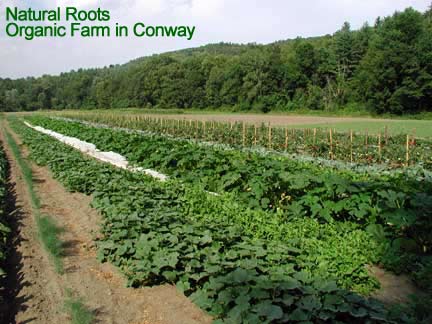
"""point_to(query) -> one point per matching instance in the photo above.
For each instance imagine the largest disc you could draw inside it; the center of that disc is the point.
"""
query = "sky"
(237, 21)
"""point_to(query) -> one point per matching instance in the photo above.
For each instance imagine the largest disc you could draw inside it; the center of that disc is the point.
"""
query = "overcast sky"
(239, 21)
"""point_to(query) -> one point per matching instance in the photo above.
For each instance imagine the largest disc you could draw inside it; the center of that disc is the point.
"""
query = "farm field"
(423, 128)
(276, 240)
(364, 148)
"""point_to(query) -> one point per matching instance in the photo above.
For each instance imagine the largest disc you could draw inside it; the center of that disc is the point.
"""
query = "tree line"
(384, 68)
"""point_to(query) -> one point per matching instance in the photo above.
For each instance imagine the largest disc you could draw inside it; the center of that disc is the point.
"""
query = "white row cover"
(91, 150)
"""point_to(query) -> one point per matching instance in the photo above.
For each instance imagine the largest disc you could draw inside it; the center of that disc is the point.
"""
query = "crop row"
(4, 229)
(397, 151)
(160, 232)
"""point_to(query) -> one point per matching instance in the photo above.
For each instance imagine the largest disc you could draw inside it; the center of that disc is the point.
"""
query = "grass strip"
(26, 171)
(49, 233)
(80, 314)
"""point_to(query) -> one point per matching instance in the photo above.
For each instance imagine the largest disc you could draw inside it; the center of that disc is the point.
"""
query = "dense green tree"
(390, 77)
(344, 48)
(306, 61)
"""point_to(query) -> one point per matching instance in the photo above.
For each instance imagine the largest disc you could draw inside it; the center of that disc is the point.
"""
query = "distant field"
(422, 128)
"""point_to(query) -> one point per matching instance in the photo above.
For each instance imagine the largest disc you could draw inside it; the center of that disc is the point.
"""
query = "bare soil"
(257, 119)
(395, 289)
(101, 286)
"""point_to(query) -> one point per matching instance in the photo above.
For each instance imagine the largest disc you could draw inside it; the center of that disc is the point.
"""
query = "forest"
(383, 69)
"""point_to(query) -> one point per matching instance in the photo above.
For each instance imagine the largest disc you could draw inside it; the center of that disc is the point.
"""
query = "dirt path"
(395, 289)
(33, 285)
(100, 285)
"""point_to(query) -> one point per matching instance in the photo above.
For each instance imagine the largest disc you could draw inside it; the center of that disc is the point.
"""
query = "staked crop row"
(365, 148)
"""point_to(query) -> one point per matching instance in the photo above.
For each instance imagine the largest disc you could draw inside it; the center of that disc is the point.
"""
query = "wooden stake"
(314, 136)
(367, 140)
(386, 135)
(379, 147)
(286, 139)
(255, 135)
(351, 145)
(407, 150)
(204, 130)
(270, 136)
(335, 141)
(244, 134)
(331, 144)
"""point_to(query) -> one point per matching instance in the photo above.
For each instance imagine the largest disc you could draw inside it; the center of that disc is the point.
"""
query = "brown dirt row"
(101, 286)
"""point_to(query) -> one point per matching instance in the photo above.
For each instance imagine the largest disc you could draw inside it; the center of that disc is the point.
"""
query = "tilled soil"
(101, 287)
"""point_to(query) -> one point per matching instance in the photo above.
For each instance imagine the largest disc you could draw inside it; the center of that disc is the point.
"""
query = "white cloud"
(147, 7)
(77, 3)
(207, 8)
